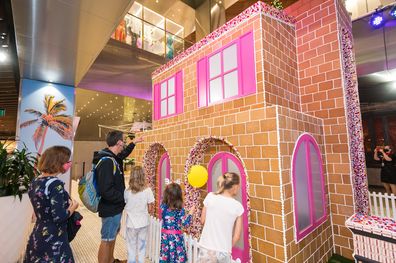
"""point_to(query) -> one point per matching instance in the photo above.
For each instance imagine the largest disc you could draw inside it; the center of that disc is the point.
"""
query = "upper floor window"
(308, 186)
(227, 73)
(168, 97)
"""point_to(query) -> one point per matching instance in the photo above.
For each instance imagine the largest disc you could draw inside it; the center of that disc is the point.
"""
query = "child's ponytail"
(227, 181)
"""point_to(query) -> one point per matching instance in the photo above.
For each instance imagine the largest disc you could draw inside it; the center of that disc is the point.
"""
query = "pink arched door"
(221, 163)
(163, 171)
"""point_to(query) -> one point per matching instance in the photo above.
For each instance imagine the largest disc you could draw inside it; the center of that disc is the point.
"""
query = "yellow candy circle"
(198, 176)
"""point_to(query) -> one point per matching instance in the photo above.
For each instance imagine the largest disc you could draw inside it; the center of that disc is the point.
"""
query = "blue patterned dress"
(48, 241)
(172, 245)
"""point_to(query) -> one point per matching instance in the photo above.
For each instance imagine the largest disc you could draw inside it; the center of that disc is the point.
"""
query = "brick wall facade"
(318, 33)
(299, 89)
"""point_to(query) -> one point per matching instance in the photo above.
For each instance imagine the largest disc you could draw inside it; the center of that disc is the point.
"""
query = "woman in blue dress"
(173, 219)
(52, 207)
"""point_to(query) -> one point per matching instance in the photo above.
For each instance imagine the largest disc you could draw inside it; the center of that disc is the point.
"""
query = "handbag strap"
(47, 184)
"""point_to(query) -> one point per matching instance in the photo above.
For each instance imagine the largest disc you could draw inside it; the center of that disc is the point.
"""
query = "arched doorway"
(155, 159)
(221, 163)
(163, 172)
(202, 153)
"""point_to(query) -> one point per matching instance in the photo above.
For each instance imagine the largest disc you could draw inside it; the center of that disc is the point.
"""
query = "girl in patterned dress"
(173, 217)
(48, 241)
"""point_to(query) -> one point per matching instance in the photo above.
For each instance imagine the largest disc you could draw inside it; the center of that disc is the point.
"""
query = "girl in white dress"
(139, 201)
(222, 219)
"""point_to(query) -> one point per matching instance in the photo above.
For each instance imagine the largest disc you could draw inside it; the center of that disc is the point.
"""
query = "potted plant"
(128, 161)
(17, 170)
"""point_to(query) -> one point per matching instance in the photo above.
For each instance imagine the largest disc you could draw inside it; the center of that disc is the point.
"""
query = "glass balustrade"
(145, 29)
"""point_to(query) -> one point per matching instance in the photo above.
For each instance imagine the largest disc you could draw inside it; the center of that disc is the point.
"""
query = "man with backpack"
(111, 186)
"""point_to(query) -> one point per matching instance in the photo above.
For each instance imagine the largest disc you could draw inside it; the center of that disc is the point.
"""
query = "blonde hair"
(227, 181)
(137, 182)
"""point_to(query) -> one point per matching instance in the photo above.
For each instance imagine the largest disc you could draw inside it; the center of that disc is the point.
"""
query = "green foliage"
(277, 4)
(129, 161)
(17, 170)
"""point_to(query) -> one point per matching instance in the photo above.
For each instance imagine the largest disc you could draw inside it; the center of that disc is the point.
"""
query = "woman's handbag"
(73, 225)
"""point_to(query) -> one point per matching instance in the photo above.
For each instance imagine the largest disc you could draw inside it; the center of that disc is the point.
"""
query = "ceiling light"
(392, 12)
(3, 56)
(377, 20)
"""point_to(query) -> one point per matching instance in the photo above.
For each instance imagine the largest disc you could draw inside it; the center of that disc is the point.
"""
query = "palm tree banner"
(52, 118)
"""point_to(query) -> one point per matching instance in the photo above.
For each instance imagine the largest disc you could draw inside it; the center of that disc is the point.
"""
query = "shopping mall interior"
(294, 96)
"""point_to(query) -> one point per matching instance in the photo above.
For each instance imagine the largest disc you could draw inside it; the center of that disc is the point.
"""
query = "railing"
(154, 242)
(374, 238)
(383, 205)
(142, 34)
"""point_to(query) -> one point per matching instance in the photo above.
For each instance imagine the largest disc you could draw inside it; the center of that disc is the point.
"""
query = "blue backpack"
(87, 187)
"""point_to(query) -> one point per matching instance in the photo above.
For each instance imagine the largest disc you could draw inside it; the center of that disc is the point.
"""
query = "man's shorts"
(110, 227)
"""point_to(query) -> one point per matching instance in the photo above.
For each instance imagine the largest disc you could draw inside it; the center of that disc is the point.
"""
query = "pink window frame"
(164, 158)
(300, 234)
(246, 67)
(243, 255)
(222, 73)
(159, 103)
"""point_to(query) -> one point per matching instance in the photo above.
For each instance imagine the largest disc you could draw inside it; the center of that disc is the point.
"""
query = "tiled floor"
(86, 244)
